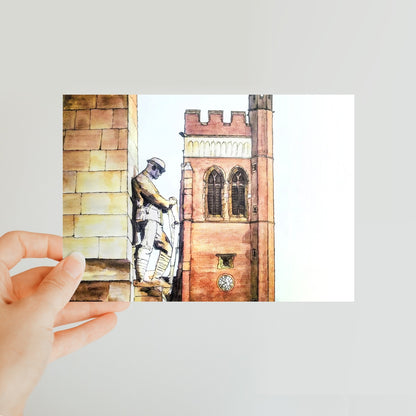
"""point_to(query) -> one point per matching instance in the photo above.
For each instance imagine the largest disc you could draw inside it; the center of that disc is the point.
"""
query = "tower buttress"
(186, 220)
(262, 216)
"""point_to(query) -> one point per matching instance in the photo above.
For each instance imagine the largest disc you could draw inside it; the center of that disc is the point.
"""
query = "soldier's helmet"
(159, 162)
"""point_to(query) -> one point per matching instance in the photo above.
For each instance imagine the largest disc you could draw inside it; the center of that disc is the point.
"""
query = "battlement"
(260, 102)
(215, 125)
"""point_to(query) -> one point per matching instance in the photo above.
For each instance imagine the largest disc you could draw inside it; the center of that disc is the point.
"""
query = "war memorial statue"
(149, 207)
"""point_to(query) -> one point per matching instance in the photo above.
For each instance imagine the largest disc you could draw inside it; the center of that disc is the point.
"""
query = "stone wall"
(99, 159)
(209, 241)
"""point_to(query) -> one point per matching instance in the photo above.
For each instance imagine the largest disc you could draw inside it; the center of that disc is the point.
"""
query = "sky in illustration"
(314, 182)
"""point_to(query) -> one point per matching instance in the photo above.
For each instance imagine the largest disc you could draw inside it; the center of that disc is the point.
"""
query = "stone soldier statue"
(149, 209)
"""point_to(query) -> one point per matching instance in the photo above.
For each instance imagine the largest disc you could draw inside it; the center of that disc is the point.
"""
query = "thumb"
(60, 283)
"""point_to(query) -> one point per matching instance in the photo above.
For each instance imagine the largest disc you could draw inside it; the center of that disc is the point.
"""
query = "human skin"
(35, 302)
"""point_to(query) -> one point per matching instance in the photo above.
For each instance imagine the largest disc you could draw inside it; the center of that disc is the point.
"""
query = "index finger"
(16, 245)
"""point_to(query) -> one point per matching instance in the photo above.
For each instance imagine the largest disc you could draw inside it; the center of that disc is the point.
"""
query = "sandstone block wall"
(99, 159)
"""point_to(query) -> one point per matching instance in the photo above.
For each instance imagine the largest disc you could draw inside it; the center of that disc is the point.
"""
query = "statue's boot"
(161, 265)
(142, 260)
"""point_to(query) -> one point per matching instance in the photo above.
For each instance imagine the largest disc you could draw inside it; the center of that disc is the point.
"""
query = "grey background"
(204, 359)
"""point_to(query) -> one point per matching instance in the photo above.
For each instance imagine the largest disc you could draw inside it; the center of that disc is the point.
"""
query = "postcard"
(169, 202)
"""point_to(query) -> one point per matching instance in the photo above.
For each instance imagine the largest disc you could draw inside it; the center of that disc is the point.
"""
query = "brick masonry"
(249, 239)
(99, 159)
(215, 125)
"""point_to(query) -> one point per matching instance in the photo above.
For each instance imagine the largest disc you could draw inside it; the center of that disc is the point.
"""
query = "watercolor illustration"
(208, 236)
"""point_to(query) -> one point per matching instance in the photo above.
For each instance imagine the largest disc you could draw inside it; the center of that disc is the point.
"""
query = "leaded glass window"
(215, 188)
(238, 193)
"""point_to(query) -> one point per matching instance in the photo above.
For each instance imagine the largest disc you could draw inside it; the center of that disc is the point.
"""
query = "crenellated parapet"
(215, 125)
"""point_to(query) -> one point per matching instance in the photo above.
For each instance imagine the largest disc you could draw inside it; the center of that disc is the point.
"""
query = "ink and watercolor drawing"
(174, 197)
(206, 235)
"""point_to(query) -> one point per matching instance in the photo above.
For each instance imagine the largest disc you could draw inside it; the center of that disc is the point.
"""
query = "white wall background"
(295, 359)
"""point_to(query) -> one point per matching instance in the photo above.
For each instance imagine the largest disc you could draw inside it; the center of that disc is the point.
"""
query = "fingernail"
(74, 264)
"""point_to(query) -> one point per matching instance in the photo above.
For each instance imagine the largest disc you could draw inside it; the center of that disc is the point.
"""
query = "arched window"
(238, 193)
(215, 191)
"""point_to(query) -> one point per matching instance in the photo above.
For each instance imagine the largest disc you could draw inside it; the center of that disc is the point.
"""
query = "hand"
(172, 201)
(32, 303)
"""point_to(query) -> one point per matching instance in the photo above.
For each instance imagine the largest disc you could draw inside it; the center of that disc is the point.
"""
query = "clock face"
(225, 282)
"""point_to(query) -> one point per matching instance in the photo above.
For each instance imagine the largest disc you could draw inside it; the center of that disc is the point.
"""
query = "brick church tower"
(227, 214)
